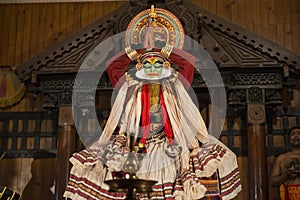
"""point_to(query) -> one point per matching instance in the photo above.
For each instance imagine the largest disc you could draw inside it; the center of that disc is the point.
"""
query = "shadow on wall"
(43, 172)
(8, 172)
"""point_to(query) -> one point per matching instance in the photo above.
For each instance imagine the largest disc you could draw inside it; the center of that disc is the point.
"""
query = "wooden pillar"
(257, 160)
(65, 149)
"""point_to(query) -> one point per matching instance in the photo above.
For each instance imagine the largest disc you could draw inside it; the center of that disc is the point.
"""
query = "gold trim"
(173, 27)
(166, 51)
(1, 193)
(152, 13)
(132, 54)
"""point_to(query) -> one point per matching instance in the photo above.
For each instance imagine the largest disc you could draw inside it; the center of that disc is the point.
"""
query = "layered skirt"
(211, 172)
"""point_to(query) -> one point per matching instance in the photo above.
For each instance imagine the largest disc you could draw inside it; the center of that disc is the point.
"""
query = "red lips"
(152, 74)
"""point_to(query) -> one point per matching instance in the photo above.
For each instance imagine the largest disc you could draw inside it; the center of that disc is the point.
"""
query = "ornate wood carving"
(65, 117)
(256, 114)
(228, 44)
(237, 97)
(255, 95)
(243, 36)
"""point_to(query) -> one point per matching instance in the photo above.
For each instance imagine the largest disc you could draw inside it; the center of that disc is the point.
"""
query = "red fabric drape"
(116, 68)
(145, 98)
(166, 120)
(185, 63)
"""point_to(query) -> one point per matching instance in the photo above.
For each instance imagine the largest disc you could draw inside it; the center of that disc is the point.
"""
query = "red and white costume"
(178, 175)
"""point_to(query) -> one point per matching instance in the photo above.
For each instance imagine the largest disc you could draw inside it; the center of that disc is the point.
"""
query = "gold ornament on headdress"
(152, 13)
(168, 27)
(159, 55)
(167, 64)
(132, 54)
(139, 65)
(153, 16)
(166, 51)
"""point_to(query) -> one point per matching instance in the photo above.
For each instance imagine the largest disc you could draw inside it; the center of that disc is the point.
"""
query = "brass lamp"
(131, 184)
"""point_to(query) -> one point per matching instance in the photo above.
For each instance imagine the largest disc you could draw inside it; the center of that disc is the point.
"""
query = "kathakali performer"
(172, 141)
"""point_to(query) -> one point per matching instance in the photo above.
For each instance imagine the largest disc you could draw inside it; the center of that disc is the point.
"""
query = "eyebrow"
(158, 61)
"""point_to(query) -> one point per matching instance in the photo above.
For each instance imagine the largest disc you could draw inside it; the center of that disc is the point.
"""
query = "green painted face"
(153, 68)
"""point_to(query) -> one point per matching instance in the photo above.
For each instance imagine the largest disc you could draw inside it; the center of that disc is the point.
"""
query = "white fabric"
(185, 118)
(115, 114)
(141, 75)
(157, 164)
(187, 126)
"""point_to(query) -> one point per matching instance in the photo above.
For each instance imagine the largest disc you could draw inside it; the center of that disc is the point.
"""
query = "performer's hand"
(184, 161)
(194, 144)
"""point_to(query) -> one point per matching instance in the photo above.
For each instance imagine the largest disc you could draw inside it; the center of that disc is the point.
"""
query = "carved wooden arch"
(228, 44)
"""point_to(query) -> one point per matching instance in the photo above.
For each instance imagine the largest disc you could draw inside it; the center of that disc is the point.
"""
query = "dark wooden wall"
(28, 29)
(274, 20)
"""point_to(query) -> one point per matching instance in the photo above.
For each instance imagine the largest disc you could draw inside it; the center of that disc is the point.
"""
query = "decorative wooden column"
(65, 149)
(257, 160)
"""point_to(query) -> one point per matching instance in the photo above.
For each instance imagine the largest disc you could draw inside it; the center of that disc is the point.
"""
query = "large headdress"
(165, 25)
(154, 34)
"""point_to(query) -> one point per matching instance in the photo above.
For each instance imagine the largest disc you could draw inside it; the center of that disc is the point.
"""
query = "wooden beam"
(65, 149)
(257, 174)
